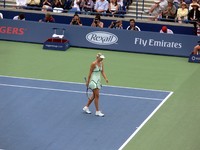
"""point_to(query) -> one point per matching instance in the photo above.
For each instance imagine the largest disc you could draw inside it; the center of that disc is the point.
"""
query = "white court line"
(72, 91)
(144, 122)
(83, 83)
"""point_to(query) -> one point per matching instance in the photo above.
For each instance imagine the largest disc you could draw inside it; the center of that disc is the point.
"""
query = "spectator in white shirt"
(101, 6)
(166, 30)
(1, 16)
(19, 17)
(132, 26)
(120, 3)
(163, 4)
(20, 3)
(76, 5)
(155, 10)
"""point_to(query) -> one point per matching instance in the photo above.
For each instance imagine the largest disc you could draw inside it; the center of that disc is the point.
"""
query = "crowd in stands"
(76, 20)
(108, 7)
(181, 11)
(118, 24)
(175, 10)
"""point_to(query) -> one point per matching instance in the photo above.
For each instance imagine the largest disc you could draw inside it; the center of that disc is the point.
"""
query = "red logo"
(11, 30)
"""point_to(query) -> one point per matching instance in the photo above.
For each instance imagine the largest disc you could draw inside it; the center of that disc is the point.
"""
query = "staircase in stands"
(137, 9)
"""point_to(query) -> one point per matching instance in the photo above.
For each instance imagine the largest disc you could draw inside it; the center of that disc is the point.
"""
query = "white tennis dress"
(95, 80)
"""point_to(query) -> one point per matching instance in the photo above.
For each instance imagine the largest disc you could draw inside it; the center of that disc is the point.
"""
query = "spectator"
(57, 6)
(47, 5)
(155, 10)
(190, 5)
(113, 7)
(76, 6)
(19, 17)
(1, 16)
(68, 4)
(33, 4)
(20, 3)
(76, 20)
(48, 18)
(169, 12)
(120, 3)
(87, 5)
(163, 4)
(196, 49)
(166, 30)
(132, 26)
(194, 15)
(187, 2)
(101, 6)
(97, 22)
(116, 24)
(182, 13)
(177, 3)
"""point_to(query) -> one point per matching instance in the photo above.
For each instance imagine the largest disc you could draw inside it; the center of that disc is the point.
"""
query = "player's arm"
(103, 73)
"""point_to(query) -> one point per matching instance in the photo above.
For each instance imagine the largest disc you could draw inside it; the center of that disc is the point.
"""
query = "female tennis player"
(94, 83)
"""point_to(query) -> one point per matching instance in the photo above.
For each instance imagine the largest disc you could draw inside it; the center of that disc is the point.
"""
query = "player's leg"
(86, 108)
(96, 102)
(90, 100)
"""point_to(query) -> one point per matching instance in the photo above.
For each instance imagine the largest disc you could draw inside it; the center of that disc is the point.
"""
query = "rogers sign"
(11, 30)
(101, 38)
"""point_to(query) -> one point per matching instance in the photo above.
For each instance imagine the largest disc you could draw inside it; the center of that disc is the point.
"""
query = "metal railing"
(4, 3)
(137, 14)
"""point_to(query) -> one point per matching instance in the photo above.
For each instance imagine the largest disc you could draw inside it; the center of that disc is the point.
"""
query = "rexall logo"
(101, 38)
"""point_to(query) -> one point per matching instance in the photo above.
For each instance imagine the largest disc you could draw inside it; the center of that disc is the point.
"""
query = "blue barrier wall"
(87, 22)
(89, 37)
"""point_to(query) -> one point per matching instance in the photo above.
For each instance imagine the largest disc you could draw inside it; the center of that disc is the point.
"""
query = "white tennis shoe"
(86, 110)
(99, 113)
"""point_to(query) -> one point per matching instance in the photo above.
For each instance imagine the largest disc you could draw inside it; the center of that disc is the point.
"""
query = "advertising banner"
(90, 37)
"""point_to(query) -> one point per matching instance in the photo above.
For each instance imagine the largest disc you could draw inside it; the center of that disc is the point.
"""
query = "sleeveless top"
(95, 80)
(113, 7)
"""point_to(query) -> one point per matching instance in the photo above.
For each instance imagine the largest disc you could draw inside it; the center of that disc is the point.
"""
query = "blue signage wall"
(89, 37)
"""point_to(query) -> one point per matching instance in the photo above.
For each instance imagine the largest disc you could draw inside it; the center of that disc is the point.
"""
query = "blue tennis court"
(47, 115)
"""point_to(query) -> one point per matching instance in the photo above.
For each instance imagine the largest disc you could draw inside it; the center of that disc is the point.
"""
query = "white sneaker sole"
(99, 115)
(87, 112)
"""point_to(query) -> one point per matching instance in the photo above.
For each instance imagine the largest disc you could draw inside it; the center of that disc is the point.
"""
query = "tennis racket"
(89, 91)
